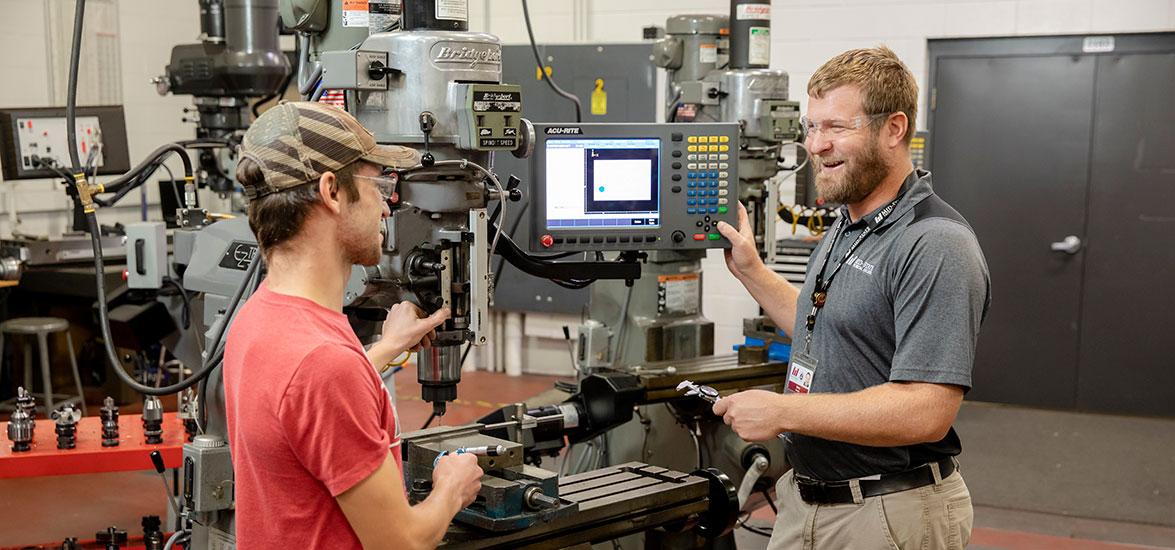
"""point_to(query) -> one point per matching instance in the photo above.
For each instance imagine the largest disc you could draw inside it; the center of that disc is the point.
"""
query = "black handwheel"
(720, 517)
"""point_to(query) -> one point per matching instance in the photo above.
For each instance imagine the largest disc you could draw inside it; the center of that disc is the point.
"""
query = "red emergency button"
(699, 237)
(546, 241)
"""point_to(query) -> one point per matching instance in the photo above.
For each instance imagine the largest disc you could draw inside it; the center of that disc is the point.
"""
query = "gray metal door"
(1127, 344)
(1011, 139)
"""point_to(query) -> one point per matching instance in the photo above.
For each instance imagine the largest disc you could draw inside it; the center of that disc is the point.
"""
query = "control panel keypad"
(708, 165)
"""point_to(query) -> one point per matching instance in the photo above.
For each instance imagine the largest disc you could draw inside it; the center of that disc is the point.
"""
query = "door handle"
(1071, 245)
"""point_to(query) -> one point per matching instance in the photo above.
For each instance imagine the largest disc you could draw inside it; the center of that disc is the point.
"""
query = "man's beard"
(861, 176)
(360, 249)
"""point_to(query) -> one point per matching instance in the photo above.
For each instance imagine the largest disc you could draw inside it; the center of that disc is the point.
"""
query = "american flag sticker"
(336, 98)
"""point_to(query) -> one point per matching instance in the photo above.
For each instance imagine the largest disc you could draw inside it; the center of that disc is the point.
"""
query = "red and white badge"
(800, 373)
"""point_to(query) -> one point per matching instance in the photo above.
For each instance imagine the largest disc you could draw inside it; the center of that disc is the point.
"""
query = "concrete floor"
(1040, 479)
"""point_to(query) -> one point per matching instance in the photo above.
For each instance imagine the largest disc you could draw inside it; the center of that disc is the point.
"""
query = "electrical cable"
(465, 354)
(175, 187)
(542, 71)
(51, 165)
(566, 460)
(755, 530)
(185, 317)
(285, 83)
(671, 108)
(252, 279)
(686, 425)
(171, 542)
(91, 169)
(793, 171)
(623, 324)
(771, 503)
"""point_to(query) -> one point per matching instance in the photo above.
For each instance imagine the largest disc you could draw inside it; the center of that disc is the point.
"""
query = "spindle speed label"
(487, 101)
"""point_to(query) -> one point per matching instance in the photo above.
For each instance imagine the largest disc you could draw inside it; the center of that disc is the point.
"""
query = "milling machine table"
(613, 502)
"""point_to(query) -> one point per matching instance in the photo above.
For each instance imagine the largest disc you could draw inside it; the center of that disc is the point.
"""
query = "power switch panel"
(35, 142)
(354, 70)
(146, 254)
(208, 474)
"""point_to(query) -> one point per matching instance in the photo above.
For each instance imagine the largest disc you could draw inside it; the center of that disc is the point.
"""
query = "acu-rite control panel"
(633, 186)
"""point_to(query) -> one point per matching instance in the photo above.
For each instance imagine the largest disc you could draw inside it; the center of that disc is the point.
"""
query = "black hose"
(539, 63)
(92, 223)
(104, 325)
(71, 98)
(151, 162)
(125, 190)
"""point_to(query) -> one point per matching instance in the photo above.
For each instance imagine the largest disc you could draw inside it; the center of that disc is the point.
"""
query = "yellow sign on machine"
(599, 99)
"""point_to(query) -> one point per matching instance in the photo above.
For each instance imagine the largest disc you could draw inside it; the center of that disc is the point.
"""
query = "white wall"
(147, 30)
(805, 34)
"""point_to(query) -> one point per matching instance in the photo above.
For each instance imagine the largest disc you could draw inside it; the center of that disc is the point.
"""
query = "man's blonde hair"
(887, 85)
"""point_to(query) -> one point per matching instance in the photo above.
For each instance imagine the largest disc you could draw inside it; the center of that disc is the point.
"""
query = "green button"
(722, 209)
(714, 236)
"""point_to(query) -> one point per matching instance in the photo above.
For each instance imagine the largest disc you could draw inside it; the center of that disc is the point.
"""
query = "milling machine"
(655, 331)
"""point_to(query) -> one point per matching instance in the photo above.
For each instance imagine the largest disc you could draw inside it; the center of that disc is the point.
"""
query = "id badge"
(800, 372)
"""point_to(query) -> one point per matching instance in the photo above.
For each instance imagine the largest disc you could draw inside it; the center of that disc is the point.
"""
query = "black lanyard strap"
(820, 292)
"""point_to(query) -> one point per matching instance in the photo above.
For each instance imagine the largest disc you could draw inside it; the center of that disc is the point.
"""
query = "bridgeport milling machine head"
(718, 71)
(436, 87)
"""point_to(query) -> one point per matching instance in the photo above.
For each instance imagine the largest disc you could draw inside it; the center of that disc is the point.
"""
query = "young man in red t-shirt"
(312, 431)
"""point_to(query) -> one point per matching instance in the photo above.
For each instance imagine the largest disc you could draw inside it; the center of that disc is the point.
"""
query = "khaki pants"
(933, 517)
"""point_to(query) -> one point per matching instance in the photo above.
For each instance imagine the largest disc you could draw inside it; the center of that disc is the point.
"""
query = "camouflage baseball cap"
(296, 142)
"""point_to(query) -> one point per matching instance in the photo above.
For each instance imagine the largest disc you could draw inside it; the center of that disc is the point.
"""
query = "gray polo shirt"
(906, 306)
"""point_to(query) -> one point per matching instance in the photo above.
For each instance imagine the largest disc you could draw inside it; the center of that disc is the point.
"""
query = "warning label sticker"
(354, 13)
(708, 53)
(453, 10)
(678, 293)
(752, 11)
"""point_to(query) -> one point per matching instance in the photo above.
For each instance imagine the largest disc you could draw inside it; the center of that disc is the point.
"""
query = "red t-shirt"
(308, 419)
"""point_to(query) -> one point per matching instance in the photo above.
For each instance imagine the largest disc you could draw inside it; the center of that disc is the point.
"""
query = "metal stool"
(42, 327)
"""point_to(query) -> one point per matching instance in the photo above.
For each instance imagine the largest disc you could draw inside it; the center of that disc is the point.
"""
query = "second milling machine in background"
(655, 331)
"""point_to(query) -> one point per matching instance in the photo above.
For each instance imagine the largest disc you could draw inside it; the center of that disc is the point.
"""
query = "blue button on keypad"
(714, 210)
(691, 210)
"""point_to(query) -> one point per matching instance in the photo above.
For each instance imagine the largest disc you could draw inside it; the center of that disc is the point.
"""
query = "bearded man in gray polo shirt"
(884, 330)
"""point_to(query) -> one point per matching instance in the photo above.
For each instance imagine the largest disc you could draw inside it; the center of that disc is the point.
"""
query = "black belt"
(814, 491)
